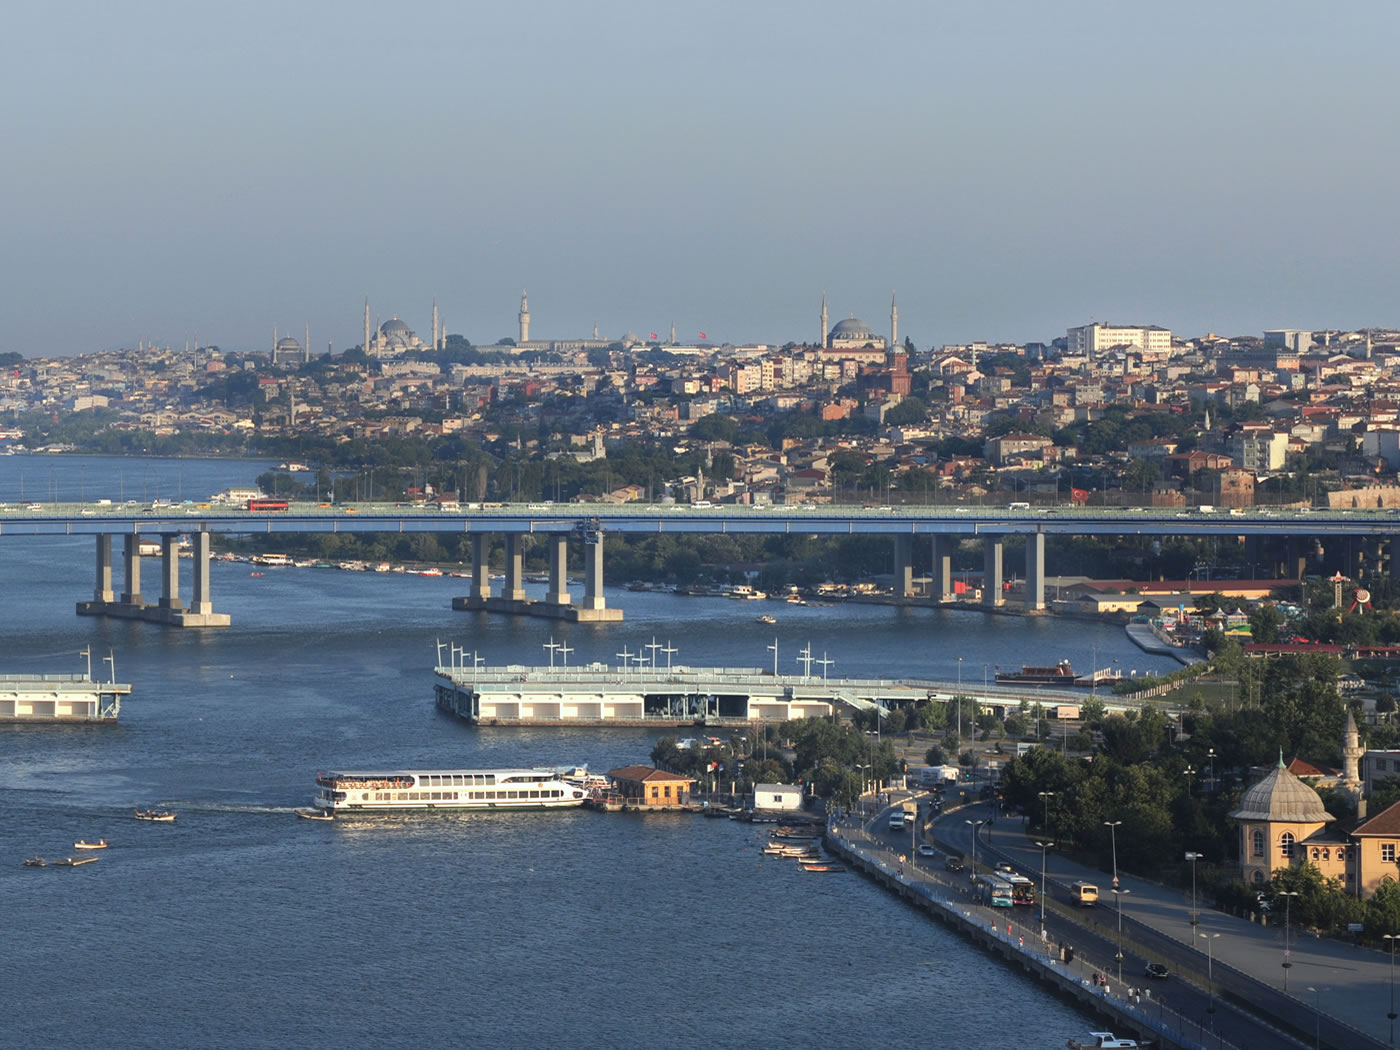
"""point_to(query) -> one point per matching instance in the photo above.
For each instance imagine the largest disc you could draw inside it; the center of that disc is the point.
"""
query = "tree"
(1266, 622)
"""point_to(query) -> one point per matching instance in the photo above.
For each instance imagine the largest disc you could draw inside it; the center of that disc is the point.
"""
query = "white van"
(897, 821)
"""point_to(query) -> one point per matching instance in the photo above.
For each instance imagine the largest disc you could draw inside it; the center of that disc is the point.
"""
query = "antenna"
(825, 664)
(654, 647)
(551, 645)
(111, 658)
(564, 651)
(624, 656)
(774, 649)
(438, 642)
(670, 651)
(87, 651)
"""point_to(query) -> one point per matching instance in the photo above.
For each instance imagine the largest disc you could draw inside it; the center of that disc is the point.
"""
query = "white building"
(1095, 338)
(1262, 451)
(777, 797)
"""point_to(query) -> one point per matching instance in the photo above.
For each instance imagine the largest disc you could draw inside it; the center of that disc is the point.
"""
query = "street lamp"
(1211, 755)
(1120, 894)
(960, 660)
(1392, 938)
(976, 824)
(1317, 1017)
(1288, 896)
(1209, 938)
(1043, 847)
(1190, 772)
(1112, 826)
(1195, 915)
(1047, 796)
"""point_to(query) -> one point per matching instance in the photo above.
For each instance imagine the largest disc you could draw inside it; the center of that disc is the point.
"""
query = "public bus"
(267, 504)
(1022, 889)
(1085, 894)
(994, 891)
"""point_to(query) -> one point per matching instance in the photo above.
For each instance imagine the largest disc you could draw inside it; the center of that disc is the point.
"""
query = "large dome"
(288, 343)
(1281, 796)
(394, 327)
(852, 328)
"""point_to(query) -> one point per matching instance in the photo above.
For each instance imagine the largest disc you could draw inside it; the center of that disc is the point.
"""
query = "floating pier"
(59, 698)
(598, 695)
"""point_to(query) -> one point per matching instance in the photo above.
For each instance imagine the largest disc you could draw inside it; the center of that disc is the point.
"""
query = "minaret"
(365, 345)
(274, 341)
(894, 324)
(673, 334)
(1351, 757)
(822, 340)
(524, 318)
(306, 346)
(435, 325)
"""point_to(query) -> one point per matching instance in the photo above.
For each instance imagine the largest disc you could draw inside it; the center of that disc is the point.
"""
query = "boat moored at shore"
(477, 789)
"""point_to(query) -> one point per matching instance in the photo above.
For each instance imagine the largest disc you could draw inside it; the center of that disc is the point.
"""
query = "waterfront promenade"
(1336, 989)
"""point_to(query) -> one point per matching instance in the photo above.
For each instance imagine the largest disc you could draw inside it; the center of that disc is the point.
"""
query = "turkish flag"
(703, 335)
(653, 335)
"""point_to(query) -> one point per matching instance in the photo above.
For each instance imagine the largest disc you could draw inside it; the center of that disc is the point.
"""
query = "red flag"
(653, 335)
(703, 335)
(1079, 495)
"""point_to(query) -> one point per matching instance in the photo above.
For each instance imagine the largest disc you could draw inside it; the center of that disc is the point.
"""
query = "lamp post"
(1120, 894)
(1189, 771)
(960, 660)
(1288, 896)
(976, 824)
(1112, 826)
(1392, 938)
(1317, 1017)
(1047, 796)
(1043, 847)
(1209, 938)
(1195, 915)
(1211, 755)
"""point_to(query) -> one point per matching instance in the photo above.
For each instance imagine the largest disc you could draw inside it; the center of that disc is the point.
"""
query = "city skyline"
(1010, 172)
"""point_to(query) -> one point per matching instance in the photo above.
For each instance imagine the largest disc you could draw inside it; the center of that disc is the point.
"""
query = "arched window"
(1327, 854)
(1316, 853)
(1341, 853)
(1258, 845)
(1258, 877)
(1285, 844)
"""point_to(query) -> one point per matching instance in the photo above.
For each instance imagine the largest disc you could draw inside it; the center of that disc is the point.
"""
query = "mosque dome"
(1281, 796)
(852, 328)
(288, 343)
(394, 327)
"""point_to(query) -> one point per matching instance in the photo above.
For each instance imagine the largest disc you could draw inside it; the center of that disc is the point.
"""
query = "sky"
(1011, 168)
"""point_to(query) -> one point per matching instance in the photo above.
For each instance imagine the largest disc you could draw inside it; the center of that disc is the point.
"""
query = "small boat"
(824, 866)
(161, 816)
(255, 574)
(75, 862)
(314, 814)
(99, 844)
(1102, 1041)
(1060, 674)
(765, 618)
(36, 862)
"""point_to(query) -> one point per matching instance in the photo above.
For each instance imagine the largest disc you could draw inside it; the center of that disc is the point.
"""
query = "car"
(953, 864)
(925, 850)
(1156, 970)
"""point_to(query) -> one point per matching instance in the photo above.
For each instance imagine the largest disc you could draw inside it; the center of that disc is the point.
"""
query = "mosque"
(395, 337)
(854, 339)
(1282, 824)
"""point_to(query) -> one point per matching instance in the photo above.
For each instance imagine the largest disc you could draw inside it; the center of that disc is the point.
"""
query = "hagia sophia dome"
(852, 328)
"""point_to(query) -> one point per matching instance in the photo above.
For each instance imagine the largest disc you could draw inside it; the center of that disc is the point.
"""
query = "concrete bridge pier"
(558, 593)
(992, 596)
(481, 570)
(514, 588)
(170, 610)
(942, 585)
(904, 566)
(593, 608)
(1035, 572)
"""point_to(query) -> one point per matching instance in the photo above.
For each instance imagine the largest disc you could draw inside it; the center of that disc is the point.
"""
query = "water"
(241, 926)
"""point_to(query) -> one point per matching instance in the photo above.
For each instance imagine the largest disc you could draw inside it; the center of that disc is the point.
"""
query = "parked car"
(1157, 970)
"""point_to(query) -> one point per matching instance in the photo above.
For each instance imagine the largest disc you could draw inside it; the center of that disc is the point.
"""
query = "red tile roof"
(648, 774)
(1386, 822)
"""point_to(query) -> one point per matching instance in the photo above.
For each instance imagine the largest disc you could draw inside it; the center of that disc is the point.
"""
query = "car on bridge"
(1156, 970)
(925, 850)
(953, 864)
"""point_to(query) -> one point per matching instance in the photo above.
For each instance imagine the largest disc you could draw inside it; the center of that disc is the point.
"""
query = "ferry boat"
(1060, 674)
(485, 789)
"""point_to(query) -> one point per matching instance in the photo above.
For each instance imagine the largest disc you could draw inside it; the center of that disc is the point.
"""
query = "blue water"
(241, 926)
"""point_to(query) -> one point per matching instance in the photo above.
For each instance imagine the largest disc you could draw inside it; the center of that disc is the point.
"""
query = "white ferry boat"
(488, 789)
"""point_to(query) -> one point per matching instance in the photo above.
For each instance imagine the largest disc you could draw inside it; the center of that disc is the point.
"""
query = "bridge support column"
(481, 570)
(103, 591)
(1254, 555)
(992, 596)
(514, 589)
(131, 554)
(558, 569)
(593, 574)
(1035, 572)
(904, 566)
(200, 603)
(170, 572)
(942, 585)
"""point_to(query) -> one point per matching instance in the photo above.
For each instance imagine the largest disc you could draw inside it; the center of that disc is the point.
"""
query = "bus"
(267, 504)
(1086, 894)
(994, 891)
(1022, 889)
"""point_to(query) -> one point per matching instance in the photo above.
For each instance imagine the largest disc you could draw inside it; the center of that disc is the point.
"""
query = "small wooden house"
(646, 787)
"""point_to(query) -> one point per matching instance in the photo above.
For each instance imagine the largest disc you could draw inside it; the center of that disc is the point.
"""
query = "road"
(1337, 993)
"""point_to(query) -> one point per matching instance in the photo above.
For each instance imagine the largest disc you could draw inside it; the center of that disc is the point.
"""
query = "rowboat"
(99, 844)
(163, 816)
(824, 867)
(36, 862)
(314, 814)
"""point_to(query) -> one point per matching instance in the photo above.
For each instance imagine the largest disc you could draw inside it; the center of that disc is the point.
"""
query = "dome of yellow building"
(1281, 796)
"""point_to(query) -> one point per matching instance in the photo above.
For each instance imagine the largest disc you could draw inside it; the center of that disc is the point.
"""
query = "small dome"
(1283, 797)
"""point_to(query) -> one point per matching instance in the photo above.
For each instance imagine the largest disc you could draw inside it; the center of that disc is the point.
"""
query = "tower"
(673, 334)
(894, 324)
(436, 344)
(524, 318)
(1351, 758)
(822, 340)
(365, 345)
(306, 346)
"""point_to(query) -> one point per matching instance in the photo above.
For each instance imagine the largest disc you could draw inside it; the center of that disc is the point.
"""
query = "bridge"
(942, 526)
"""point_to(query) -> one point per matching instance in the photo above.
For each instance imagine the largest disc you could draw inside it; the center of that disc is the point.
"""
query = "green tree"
(1266, 622)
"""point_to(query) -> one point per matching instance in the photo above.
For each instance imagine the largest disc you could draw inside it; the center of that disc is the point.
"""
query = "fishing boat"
(314, 814)
(75, 862)
(160, 816)
(99, 844)
(765, 618)
(36, 862)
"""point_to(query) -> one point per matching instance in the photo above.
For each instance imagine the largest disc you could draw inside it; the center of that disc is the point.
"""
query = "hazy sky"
(1012, 168)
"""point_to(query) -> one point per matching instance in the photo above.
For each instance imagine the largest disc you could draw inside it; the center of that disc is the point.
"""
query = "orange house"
(645, 787)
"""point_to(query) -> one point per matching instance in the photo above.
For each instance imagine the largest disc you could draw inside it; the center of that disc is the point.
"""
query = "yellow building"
(1282, 823)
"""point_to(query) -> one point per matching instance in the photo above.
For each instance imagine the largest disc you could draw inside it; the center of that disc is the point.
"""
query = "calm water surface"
(241, 926)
